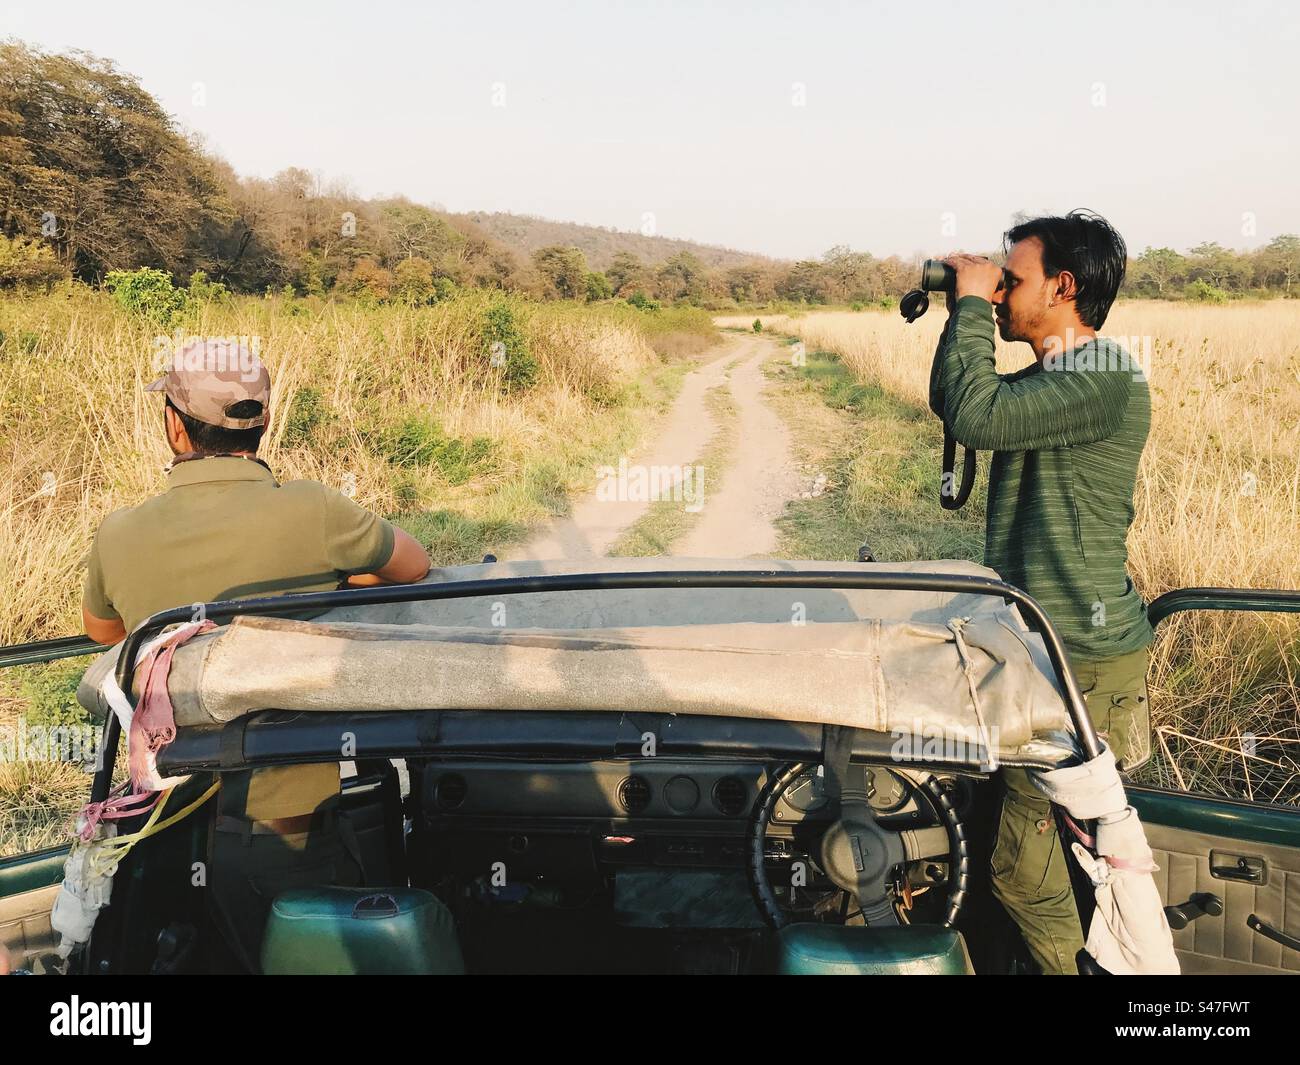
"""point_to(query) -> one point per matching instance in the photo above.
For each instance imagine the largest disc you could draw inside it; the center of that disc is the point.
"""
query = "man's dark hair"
(1088, 247)
(215, 440)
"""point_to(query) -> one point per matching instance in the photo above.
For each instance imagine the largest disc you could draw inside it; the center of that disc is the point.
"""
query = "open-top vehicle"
(648, 766)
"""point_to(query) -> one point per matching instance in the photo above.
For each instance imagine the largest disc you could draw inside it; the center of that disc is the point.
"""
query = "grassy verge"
(880, 457)
(668, 520)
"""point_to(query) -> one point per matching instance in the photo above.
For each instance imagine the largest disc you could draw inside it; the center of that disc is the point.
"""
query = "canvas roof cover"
(960, 666)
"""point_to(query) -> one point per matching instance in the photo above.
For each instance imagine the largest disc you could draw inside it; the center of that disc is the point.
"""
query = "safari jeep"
(648, 766)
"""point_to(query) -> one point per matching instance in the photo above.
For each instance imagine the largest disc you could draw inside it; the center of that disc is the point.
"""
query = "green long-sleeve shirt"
(1066, 439)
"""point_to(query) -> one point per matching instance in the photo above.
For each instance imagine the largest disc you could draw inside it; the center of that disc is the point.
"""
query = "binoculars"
(938, 276)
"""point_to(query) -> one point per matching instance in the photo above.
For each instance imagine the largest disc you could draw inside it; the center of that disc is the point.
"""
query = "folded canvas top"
(918, 663)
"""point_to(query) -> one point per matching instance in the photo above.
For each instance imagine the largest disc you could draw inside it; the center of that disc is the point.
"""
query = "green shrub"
(306, 414)
(201, 290)
(50, 690)
(507, 347)
(642, 302)
(1201, 291)
(598, 287)
(758, 325)
(148, 293)
(420, 441)
(413, 281)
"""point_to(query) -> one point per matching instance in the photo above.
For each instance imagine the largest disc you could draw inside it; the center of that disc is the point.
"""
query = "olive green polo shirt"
(226, 529)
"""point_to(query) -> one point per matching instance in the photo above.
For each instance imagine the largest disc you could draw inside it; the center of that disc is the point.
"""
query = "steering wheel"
(857, 853)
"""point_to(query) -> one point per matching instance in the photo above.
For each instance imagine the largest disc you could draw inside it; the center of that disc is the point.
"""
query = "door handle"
(1269, 932)
(1244, 870)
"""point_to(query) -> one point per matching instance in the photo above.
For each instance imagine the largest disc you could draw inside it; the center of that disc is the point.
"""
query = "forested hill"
(527, 234)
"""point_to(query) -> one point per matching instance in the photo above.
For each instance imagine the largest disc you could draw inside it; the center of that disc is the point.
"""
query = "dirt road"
(740, 501)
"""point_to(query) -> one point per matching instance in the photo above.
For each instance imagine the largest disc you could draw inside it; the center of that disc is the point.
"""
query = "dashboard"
(648, 789)
(666, 835)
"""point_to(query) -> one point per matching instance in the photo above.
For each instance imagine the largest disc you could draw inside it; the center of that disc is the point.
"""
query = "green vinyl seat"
(340, 931)
(859, 950)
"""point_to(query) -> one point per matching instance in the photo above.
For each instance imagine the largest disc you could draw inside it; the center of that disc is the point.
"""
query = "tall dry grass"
(1217, 503)
(79, 437)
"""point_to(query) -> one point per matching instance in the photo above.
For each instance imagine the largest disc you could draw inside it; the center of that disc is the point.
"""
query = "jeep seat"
(338, 931)
(858, 950)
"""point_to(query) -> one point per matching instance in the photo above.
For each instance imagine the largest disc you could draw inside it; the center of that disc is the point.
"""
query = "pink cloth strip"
(153, 725)
(1115, 863)
(117, 806)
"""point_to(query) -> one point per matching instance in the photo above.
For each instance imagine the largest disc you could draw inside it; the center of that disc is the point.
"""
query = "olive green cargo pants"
(1028, 867)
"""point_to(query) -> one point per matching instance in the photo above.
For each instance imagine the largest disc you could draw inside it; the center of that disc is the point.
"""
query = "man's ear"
(1064, 287)
(177, 437)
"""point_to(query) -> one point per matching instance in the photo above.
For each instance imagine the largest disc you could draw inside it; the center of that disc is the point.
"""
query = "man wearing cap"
(226, 529)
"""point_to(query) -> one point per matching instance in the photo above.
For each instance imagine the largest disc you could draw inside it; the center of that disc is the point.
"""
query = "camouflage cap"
(209, 375)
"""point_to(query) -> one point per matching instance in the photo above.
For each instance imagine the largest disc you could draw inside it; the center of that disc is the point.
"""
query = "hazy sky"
(781, 128)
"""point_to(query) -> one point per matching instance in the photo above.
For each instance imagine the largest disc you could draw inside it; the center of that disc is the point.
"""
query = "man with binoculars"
(1067, 433)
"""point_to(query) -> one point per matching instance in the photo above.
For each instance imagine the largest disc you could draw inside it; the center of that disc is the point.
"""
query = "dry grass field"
(1218, 503)
(402, 407)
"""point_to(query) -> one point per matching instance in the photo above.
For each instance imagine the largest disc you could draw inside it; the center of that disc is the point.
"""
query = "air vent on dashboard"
(450, 791)
(634, 794)
(730, 796)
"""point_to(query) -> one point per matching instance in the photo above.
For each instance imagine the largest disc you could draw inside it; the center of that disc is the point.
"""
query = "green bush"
(148, 293)
(758, 325)
(306, 414)
(598, 287)
(50, 690)
(1201, 291)
(413, 281)
(507, 347)
(420, 441)
(642, 302)
(202, 290)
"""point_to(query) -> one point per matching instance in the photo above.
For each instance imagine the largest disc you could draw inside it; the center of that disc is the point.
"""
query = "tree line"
(96, 178)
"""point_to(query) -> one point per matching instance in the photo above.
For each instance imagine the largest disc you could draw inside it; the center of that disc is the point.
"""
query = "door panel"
(1226, 943)
(29, 882)
(1197, 839)
(1184, 830)
(28, 886)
